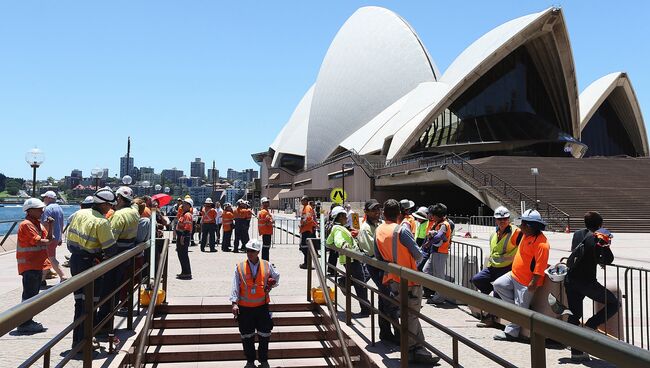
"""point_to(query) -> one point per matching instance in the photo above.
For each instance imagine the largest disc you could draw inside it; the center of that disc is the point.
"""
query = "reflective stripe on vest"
(392, 254)
(252, 292)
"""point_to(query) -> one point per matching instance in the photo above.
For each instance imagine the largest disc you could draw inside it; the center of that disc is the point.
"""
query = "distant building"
(216, 175)
(105, 174)
(146, 170)
(151, 177)
(123, 165)
(248, 175)
(197, 168)
(74, 179)
(233, 194)
(189, 182)
(200, 194)
(171, 175)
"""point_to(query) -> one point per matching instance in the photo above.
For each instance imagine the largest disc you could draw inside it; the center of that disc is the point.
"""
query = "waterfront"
(15, 212)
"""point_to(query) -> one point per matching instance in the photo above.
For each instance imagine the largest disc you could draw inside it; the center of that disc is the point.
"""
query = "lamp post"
(535, 172)
(127, 180)
(97, 173)
(34, 158)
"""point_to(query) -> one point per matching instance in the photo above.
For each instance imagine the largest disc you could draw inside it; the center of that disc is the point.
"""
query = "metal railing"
(540, 326)
(9, 232)
(16, 315)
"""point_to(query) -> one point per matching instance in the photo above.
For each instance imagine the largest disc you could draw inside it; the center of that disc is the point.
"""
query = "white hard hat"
(264, 199)
(32, 203)
(87, 200)
(104, 195)
(208, 200)
(125, 192)
(557, 273)
(501, 212)
(227, 204)
(421, 213)
(49, 194)
(405, 204)
(189, 201)
(337, 211)
(254, 244)
(240, 201)
(532, 216)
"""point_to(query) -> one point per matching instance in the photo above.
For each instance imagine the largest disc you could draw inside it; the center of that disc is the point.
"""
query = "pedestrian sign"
(338, 195)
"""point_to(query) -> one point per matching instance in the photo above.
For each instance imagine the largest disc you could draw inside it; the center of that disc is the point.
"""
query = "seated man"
(518, 286)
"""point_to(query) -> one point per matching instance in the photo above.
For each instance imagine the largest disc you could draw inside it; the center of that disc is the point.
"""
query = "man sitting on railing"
(395, 244)
(518, 286)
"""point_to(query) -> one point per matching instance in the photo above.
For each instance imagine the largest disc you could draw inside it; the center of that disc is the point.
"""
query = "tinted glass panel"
(605, 134)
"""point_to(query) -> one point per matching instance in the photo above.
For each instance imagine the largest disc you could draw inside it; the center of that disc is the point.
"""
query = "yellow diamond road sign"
(338, 195)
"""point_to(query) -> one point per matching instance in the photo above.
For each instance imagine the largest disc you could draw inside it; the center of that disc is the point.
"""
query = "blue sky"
(218, 80)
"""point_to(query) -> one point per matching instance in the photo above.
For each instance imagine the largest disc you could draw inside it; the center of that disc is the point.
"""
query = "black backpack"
(578, 253)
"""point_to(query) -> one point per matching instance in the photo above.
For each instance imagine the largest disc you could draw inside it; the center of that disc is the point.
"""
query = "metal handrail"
(330, 306)
(144, 340)
(540, 325)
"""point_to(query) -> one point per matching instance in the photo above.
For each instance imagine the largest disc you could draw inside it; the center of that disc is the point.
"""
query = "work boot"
(264, 365)
(32, 327)
(421, 355)
(487, 322)
(250, 365)
(303, 266)
(436, 299)
(580, 357)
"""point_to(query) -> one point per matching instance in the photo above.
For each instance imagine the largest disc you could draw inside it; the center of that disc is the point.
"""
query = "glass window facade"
(605, 134)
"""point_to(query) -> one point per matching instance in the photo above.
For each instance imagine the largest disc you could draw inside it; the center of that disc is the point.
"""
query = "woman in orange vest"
(254, 278)
(208, 225)
(31, 252)
(226, 221)
(437, 245)
(307, 226)
(265, 227)
(184, 233)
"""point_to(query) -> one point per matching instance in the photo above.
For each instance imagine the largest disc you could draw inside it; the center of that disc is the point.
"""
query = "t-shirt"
(531, 259)
(54, 211)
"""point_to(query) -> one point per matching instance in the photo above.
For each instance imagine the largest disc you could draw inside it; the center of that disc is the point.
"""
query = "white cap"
(337, 211)
(208, 200)
(254, 244)
(104, 195)
(125, 192)
(405, 204)
(501, 212)
(49, 194)
(87, 200)
(32, 203)
(264, 199)
(240, 201)
(189, 201)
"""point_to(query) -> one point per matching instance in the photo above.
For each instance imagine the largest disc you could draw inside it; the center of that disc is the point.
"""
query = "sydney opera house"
(381, 118)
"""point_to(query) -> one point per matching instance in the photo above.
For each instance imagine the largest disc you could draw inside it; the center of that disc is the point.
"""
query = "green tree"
(12, 187)
(3, 182)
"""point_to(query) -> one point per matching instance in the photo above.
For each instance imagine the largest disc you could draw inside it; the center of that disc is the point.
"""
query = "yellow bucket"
(318, 296)
(145, 297)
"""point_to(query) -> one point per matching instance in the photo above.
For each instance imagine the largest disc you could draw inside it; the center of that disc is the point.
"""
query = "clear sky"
(218, 80)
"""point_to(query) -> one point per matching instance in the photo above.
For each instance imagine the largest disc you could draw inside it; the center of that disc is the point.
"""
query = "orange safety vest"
(444, 248)
(392, 250)
(252, 288)
(185, 222)
(226, 220)
(307, 221)
(209, 216)
(265, 222)
(247, 214)
(30, 254)
(413, 225)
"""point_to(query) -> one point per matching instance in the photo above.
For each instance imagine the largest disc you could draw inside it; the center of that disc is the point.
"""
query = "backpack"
(578, 253)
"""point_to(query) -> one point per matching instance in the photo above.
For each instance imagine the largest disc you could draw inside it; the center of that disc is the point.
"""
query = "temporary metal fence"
(541, 327)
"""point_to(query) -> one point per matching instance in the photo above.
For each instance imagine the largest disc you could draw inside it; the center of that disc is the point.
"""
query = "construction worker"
(90, 241)
(531, 259)
(218, 220)
(227, 222)
(175, 212)
(422, 219)
(241, 233)
(31, 252)
(248, 216)
(208, 225)
(254, 278)
(124, 225)
(407, 219)
(265, 227)
(503, 247)
(341, 237)
(183, 235)
(53, 210)
(437, 245)
(307, 228)
(395, 244)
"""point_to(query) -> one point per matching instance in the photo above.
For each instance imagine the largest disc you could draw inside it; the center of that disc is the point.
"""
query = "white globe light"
(158, 187)
(127, 180)
(145, 184)
(167, 189)
(97, 173)
(34, 157)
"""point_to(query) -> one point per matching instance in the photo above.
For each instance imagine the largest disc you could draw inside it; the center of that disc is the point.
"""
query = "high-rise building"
(232, 174)
(197, 168)
(105, 175)
(171, 175)
(151, 177)
(249, 175)
(216, 175)
(123, 164)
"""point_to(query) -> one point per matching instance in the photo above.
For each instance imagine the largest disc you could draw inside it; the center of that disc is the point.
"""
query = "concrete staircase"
(207, 335)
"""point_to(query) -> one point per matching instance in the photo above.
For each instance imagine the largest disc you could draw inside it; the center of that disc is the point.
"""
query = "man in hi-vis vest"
(254, 278)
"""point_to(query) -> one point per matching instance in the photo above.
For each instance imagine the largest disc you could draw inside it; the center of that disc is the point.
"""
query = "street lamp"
(127, 180)
(157, 187)
(535, 173)
(97, 173)
(34, 158)
(167, 190)
(145, 184)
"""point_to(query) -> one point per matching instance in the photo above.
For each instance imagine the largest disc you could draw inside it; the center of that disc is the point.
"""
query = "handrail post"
(129, 313)
(403, 322)
(89, 309)
(537, 348)
(348, 291)
(309, 268)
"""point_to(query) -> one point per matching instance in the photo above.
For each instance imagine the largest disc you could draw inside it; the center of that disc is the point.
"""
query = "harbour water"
(15, 212)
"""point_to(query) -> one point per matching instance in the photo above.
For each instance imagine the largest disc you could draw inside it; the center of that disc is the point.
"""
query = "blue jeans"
(31, 286)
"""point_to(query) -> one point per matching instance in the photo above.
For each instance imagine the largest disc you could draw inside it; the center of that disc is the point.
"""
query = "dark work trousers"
(112, 280)
(217, 232)
(385, 306)
(358, 272)
(484, 278)
(241, 235)
(266, 246)
(208, 233)
(182, 245)
(332, 259)
(225, 245)
(79, 263)
(252, 320)
(194, 227)
(303, 244)
(576, 291)
(31, 286)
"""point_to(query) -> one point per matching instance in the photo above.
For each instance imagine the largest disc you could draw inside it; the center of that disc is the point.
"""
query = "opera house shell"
(512, 92)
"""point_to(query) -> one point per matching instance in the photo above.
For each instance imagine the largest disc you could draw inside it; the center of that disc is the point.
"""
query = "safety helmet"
(104, 195)
(208, 200)
(501, 212)
(406, 204)
(532, 216)
(125, 192)
(189, 201)
(264, 200)
(421, 213)
(32, 203)
(87, 200)
(254, 245)
(557, 273)
(337, 211)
